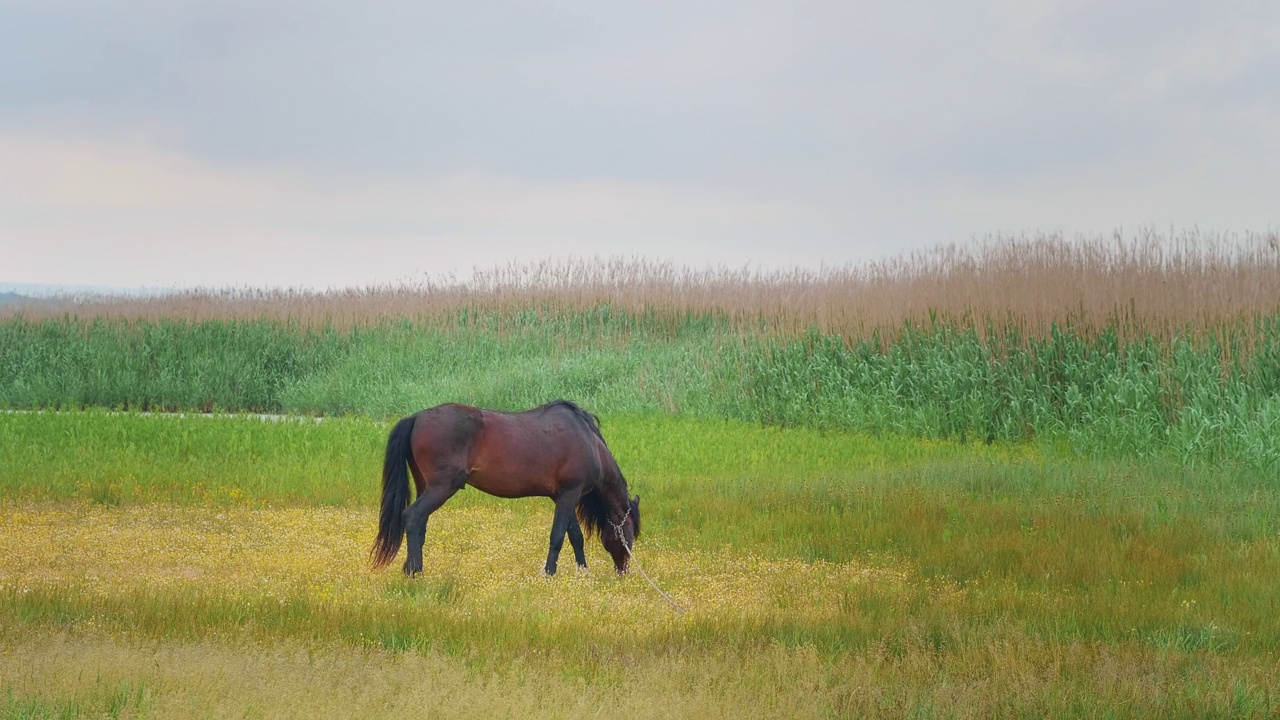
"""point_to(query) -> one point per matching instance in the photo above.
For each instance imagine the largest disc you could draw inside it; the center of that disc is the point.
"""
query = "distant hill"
(38, 291)
(12, 297)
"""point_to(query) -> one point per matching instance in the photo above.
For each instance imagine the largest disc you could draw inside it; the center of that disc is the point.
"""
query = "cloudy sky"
(176, 143)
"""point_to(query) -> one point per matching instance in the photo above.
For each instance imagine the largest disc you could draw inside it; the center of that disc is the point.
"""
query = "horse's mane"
(591, 510)
(591, 419)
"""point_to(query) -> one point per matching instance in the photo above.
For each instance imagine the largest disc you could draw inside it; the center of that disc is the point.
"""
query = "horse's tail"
(395, 494)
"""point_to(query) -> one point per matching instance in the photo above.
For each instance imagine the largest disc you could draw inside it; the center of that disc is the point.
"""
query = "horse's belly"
(508, 485)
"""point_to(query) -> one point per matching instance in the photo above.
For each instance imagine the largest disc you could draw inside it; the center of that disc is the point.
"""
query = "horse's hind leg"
(438, 490)
(561, 524)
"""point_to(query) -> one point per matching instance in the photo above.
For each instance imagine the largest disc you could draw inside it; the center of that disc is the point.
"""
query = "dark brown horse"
(554, 451)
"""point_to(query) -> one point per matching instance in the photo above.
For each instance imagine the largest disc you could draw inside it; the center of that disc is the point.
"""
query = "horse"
(555, 450)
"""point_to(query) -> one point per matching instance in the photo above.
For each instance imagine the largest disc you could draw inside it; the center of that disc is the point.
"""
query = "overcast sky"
(176, 143)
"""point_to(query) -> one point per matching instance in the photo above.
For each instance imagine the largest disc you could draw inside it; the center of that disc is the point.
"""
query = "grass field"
(215, 567)
(1027, 478)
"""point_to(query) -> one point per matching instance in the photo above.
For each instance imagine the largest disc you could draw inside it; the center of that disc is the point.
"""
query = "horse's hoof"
(549, 572)
(582, 569)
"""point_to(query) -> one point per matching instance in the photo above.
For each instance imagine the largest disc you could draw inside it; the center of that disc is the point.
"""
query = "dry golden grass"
(485, 557)
(1145, 282)
(288, 679)
(124, 584)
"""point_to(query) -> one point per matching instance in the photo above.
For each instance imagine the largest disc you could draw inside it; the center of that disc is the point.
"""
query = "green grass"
(1063, 525)
(1194, 399)
(121, 700)
(1063, 585)
(719, 471)
(974, 512)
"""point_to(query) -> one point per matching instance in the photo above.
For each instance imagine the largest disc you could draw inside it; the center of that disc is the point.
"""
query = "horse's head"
(619, 538)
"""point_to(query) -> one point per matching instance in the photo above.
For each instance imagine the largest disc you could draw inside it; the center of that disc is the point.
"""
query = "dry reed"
(1143, 283)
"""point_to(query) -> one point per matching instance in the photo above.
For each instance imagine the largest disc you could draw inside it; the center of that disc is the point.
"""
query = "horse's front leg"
(575, 540)
(561, 524)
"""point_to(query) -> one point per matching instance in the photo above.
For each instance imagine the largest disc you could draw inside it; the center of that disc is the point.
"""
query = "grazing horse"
(554, 451)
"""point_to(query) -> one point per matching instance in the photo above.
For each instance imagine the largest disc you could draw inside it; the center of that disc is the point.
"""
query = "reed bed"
(1145, 283)
(1197, 398)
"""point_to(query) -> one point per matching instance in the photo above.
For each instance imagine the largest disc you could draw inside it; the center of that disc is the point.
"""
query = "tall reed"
(1143, 283)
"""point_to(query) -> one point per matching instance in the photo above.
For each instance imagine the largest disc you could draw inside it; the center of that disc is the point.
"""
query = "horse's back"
(536, 452)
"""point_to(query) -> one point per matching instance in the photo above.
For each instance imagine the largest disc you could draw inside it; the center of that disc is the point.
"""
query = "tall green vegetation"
(1196, 397)
(1096, 393)
(162, 365)
(1150, 345)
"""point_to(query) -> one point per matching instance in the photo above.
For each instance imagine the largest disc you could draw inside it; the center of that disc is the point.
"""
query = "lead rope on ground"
(617, 528)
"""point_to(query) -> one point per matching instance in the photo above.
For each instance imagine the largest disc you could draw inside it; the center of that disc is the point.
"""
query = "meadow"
(1034, 478)
(823, 574)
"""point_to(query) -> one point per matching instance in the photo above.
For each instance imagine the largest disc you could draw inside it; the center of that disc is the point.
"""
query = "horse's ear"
(635, 507)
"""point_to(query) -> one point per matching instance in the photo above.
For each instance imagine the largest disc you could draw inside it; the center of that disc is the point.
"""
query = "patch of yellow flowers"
(479, 560)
